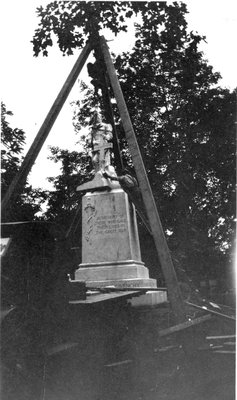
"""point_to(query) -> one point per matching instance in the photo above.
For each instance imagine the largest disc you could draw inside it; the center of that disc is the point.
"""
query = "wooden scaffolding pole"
(174, 292)
(20, 178)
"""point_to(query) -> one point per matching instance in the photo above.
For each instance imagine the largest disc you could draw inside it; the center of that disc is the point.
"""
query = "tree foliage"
(12, 145)
(13, 140)
(73, 22)
(183, 121)
(64, 200)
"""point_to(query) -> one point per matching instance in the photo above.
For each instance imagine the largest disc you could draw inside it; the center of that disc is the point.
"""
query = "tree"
(73, 22)
(185, 128)
(29, 202)
(64, 200)
(183, 120)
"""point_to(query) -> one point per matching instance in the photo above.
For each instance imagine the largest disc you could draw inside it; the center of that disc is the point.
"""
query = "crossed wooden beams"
(18, 182)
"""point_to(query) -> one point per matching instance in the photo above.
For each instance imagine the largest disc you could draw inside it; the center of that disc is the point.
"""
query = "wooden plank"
(118, 363)
(99, 298)
(184, 325)
(205, 308)
(174, 292)
(127, 289)
(221, 337)
(59, 348)
(225, 351)
(4, 313)
(20, 178)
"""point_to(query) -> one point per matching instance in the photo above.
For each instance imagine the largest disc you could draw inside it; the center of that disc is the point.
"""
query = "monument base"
(122, 274)
(119, 274)
(115, 271)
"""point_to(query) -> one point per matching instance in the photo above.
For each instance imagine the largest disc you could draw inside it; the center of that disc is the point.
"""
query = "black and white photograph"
(118, 206)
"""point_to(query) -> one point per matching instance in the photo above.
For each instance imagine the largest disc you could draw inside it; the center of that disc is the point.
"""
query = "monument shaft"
(109, 228)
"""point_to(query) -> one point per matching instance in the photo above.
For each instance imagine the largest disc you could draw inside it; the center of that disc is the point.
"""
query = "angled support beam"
(210, 311)
(20, 178)
(174, 293)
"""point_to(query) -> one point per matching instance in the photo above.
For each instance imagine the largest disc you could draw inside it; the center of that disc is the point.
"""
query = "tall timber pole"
(20, 178)
(165, 259)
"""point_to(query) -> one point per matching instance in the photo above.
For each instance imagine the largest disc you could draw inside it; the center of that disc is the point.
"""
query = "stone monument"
(110, 244)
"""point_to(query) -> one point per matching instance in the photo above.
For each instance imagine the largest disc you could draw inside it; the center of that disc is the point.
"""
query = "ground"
(111, 351)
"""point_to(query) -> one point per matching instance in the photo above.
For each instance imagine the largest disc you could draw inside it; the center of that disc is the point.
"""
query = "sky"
(29, 85)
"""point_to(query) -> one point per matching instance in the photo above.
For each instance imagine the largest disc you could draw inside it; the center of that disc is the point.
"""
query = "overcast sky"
(30, 85)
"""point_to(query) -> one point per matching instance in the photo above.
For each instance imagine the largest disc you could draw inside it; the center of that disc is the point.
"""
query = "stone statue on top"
(101, 137)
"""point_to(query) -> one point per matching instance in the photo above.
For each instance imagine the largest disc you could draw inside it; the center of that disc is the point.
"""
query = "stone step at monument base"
(123, 283)
(114, 271)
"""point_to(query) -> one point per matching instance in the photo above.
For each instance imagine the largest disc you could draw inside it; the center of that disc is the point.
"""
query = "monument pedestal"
(110, 244)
